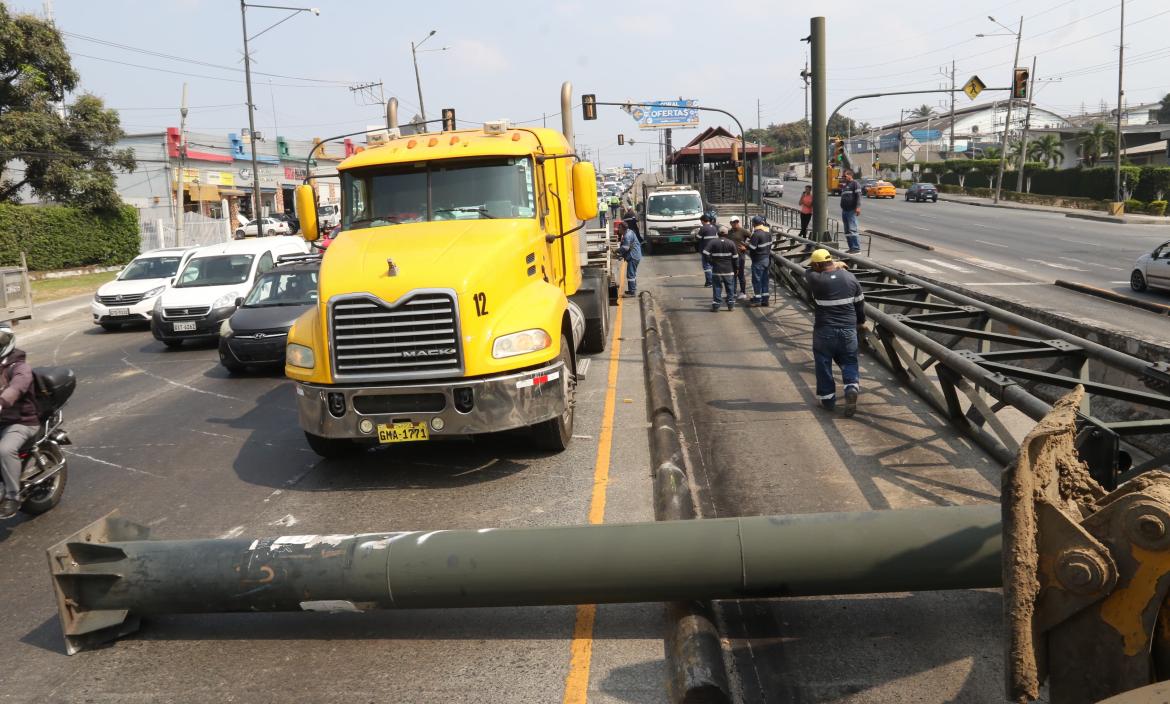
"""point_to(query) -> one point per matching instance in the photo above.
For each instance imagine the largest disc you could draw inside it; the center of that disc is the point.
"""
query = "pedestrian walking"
(760, 248)
(739, 236)
(722, 253)
(614, 204)
(806, 205)
(850, 209)
(630, 249)
(839, 315)
(707, 233)
(602, 206)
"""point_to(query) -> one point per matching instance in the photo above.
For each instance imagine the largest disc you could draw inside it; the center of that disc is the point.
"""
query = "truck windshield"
(466, 189)
(675, 204)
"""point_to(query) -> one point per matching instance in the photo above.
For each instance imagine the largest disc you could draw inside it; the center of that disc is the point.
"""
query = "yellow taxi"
(880, 189)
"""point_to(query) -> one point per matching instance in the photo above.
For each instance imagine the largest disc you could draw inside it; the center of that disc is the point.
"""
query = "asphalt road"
(169, 440)
(1018, 254)
(759, 445)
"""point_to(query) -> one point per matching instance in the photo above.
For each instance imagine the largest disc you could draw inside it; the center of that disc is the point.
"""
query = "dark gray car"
(257, 332)
(922, 192)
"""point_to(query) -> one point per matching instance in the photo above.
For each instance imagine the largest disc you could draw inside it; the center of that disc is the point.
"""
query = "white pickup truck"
(670, 214)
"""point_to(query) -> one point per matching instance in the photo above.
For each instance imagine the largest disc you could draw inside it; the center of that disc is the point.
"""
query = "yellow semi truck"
(458, 294)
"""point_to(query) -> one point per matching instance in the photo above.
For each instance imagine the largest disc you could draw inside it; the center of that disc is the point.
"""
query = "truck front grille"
(181, 313)
(120, 300)
(416, 337)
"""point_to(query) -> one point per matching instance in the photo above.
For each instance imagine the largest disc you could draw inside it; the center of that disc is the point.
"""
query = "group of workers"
(839, 303)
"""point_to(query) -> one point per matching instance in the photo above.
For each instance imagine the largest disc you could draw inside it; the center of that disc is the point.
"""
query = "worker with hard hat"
(722, 253)
(707, 234)
(760, 249)
(838, 317)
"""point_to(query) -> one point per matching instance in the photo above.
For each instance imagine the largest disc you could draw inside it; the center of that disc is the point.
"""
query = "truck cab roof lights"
(515, 136)
(454, 139)
(411, 144)
(432, 141)
(495, 127)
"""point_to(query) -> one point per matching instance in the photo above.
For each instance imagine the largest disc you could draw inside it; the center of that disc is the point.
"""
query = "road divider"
(1160, 308)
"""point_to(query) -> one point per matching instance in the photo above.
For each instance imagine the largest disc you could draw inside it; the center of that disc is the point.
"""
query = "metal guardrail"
(978, 351)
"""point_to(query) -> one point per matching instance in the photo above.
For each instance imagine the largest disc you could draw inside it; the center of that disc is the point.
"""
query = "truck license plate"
(677, 239)
(402, 432)
(119, 312)
(185, 326)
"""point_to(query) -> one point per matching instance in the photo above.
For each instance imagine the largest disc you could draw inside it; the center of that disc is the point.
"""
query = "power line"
(198, 62)
(192, 75)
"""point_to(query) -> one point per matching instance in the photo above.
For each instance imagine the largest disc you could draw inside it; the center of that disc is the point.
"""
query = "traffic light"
(734, 151)
(589, 106)
(739, 173)
(877, 165)
(1020, 83)
(621, 139)
(838, 149)
(448, 119)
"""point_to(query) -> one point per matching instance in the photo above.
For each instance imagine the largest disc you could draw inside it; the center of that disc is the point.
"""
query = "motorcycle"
(44, 468)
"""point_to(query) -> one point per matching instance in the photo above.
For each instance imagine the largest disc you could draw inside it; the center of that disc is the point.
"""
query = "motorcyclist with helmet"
(18, 417)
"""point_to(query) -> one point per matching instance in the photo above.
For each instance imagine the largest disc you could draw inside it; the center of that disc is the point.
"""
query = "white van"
(329, 215)
(214, 279)
(130, 297)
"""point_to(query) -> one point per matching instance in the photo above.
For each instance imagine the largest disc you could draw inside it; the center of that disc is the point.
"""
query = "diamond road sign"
(973, 87)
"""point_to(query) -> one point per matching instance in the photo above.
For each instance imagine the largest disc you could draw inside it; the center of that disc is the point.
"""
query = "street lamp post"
(244, 5)
(1008, 119)
(422, 111)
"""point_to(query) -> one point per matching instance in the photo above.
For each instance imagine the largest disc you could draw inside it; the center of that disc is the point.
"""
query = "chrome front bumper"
(498, 403)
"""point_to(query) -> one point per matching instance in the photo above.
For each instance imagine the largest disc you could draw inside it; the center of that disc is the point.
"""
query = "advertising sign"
(658, 114)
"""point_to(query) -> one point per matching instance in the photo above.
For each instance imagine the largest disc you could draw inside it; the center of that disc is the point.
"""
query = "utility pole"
(1117, 149)
(951, 149)
(819, 128)
(251, 120)
(422, 111)
(1027, 124)
(180, 186)
(901, 116)
(759, 154)
(1007, 124)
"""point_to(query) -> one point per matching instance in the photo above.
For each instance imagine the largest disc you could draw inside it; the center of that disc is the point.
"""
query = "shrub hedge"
(60, 237)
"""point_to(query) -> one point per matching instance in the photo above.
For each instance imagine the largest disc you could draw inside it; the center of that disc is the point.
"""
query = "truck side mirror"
(585, 190)
(306, 202)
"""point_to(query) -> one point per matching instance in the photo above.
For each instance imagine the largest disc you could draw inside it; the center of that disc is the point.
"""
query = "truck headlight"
(520, 343)
(298, 356)
(225, 328)
(158, 306)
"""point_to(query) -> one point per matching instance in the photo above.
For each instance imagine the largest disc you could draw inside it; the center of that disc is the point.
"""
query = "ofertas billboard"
(657, 114)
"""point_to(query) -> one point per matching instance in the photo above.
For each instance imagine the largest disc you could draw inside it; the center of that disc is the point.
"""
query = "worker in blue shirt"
(760, 249)
(707, 233)
(630, 249)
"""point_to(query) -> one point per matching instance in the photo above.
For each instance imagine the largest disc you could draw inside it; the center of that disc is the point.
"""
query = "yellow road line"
(581, 649)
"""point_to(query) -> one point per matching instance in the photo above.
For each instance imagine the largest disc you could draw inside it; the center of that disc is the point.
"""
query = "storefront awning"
(203, 192)
(229, 192)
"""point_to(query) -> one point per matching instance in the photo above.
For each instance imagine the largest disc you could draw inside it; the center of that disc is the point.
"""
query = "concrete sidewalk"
(1128, 219)
(759, 444)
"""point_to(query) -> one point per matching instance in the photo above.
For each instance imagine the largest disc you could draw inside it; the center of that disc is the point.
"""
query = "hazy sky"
(509, 59)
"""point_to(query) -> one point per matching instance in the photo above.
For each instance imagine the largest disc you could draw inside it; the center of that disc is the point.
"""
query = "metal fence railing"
(984, 359)
(198, 230)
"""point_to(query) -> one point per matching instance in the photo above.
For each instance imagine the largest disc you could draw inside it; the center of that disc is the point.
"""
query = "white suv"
(130, 297)
(208, 289)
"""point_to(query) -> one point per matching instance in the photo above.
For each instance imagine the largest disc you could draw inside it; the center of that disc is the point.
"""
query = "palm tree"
(923, 110)
(1047, 149)
(1093, 143)
(991, 152)
(1017, 146)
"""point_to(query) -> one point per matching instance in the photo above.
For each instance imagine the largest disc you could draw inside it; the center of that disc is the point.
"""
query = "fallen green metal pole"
(108, 574)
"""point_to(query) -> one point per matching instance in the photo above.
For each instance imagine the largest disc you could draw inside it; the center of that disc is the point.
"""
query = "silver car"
(773, 187)
(1152, 270)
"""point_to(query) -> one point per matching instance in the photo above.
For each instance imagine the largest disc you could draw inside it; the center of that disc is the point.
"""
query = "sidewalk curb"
(900, 238)
(1055, 210)
(1159, 308)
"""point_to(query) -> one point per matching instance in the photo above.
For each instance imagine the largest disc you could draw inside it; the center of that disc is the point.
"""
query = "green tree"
(69, 157)
(923, 110)
(992, 152)
(1163, 113)
(1047, 149)
(1094, 143)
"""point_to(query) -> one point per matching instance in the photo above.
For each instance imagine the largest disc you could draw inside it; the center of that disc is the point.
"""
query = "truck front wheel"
(331, 448)
(554, 434)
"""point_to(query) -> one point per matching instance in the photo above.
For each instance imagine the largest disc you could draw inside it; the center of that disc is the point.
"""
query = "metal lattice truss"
(985, 359)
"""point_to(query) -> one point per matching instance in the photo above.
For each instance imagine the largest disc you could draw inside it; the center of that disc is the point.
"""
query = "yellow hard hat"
(820, 256)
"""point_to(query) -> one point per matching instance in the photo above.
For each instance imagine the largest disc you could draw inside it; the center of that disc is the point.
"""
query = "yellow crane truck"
(457, 295)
